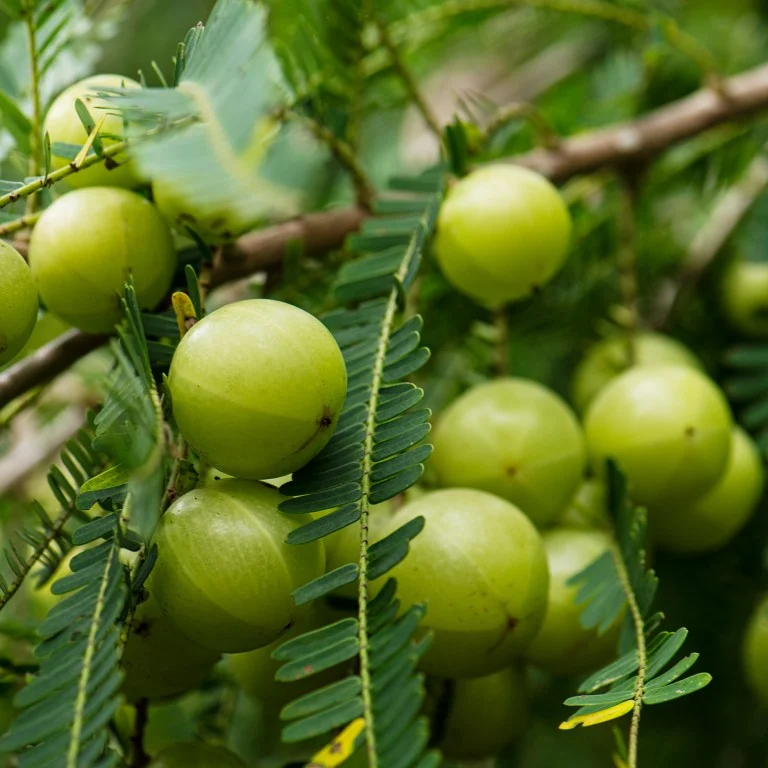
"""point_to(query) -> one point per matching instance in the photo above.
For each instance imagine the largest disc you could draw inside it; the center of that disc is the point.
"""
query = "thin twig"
(46, 181)
(642, 653)
(728, 212)
(406, 76)
(23, 222)
(35, 155)
(345, 156)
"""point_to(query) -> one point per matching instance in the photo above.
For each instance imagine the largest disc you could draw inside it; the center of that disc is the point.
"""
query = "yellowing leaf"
(340, 748)
(184, 310)
(86, 148)
(603, 716)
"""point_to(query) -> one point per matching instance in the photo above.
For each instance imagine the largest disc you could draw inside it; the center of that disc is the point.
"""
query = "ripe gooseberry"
(502, 233)
(755, 651)
(514, 438)
(195, 754)
(65, 127)
(224, 575)
(480, 567)
(669, 429)
(485, 714)
(562, 646)
(257, 388)
(159, 661)
(86, 246)
(18, 302)
(711, 521)
(745, 296)
(607, 359)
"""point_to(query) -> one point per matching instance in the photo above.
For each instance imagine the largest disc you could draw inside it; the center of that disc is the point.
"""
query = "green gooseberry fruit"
(195, 754)
(562, 646)
(502, 233)
(257, 388)
(745, 296)
(86, 246)
(755, 651)
(159, 661)
(588, 508)
(668, 428)
(606, 360)
(486, 714)
(65, 127)
(711, 521)
(224, 575)
(18, 302)
(47, 328)
(480, 567)
(514, 438)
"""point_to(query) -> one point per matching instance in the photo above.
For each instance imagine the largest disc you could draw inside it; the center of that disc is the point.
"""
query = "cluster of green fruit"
(88, 243)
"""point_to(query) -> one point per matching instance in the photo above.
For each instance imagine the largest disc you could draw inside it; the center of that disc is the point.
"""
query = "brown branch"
(47, 362)
(625, 144)
(637, 141)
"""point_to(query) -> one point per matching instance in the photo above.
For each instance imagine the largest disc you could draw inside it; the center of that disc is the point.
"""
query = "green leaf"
(111, 483)
(680, 688)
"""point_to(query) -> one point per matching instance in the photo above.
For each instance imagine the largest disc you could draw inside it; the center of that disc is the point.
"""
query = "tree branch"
(622, 145)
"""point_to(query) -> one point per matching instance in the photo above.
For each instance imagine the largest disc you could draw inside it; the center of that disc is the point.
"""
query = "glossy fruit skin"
(224, 574)
(480, 567)
(487, 713)
(502, 233)
(610, 358)
(668, 428)
(516, 439)
(562, 646)
(711, 521)
(745, 296)
(588, 507)
(195, 754)
(18, 302)
(85, 246)
(755, 651)
(257, 388)
(159, 661)
(64, 126)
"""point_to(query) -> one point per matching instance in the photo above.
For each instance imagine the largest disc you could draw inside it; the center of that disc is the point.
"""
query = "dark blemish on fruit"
(220, 221)
(535, 289)
(511, 471)
(690, 431)
(186, 218)
(325, 421)
(143, 629)
(512, 622)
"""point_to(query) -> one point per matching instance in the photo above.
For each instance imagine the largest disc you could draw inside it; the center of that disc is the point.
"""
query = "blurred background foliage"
(581, 73)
